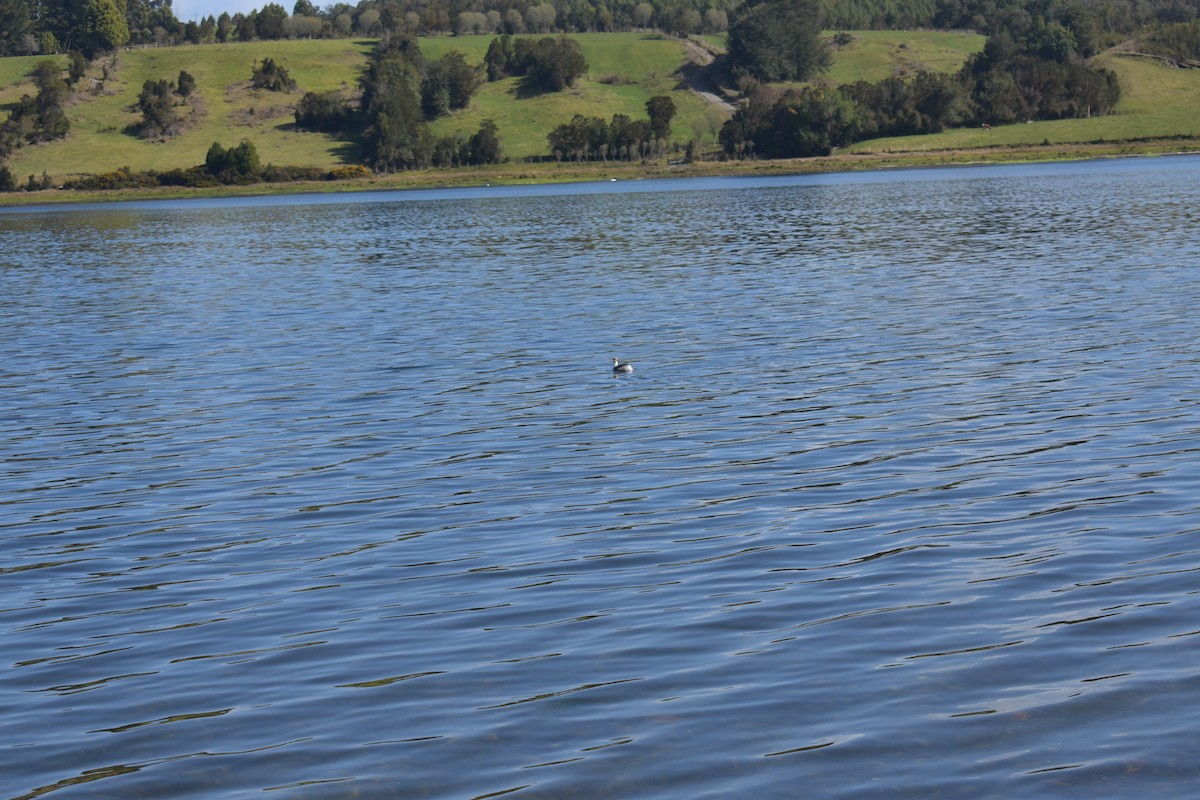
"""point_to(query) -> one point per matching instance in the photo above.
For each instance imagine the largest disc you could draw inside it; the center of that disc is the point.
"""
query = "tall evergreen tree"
(397, 136)
(661, 110)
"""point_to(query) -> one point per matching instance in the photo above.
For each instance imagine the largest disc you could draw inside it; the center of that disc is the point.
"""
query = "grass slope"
(625, 71)
(14, 77)
(225, 109)
(875, 55)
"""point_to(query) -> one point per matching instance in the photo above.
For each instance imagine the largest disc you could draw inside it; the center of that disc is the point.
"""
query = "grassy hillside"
(225, 109)
(625, 71)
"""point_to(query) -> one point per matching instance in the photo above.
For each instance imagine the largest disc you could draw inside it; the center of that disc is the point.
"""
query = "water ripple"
(347, 502)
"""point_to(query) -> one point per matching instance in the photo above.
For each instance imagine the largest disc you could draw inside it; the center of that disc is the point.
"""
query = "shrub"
(348, 173)
(186, 84)
(273, 77)
(157, 103)
(122, 178)
(326, 111)
(274, 174)
(77, 66)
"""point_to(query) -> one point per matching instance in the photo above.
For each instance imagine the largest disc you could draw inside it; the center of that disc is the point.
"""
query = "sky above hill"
(199, 9)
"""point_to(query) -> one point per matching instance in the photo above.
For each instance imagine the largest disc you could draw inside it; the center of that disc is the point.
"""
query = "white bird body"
(621, 366)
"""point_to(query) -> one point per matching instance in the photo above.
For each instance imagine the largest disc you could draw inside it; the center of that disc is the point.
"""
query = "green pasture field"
(224, 109)
(625, 70)
(875, 55)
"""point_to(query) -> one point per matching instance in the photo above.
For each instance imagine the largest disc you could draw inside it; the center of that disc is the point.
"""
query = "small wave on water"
(344, 500)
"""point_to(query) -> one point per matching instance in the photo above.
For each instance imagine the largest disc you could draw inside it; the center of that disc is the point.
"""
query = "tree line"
(59, 26)
(1008, 82)
(623, 139)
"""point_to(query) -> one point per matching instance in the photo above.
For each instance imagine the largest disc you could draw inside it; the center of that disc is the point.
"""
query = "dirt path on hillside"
(700, 75)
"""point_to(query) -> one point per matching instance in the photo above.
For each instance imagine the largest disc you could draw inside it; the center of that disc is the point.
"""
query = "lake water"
(338, 497)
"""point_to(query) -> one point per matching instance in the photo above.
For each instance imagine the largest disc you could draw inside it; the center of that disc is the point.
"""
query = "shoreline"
(560, 172)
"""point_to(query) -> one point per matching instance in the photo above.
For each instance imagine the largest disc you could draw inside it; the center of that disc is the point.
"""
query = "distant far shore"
(519, 173)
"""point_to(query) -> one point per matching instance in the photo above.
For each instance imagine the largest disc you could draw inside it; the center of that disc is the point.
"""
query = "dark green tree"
(272, 77)
(215, 160)
(807, 122)
(448, 84)
(323, 111)
(1013, 81)
(236, 165)
(144, 16)
(269, 22)
(157, 104)
(578, 139)
(940, 101)
(499, 58)
(15, 25)
(106, 26)
(245, 26)
(52, 120)
(591, 139)
(1053, 42)
(778, 40)
(77, 65)
(185, 86)
(626, 136)
(396, 136)
(661, 110)
(549, 64)
(484, 145)
(243, 159)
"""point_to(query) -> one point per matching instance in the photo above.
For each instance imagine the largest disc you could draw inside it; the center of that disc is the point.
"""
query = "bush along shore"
(236, 166)
(551, 172)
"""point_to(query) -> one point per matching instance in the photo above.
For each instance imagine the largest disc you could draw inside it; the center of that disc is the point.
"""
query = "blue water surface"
(337, 496)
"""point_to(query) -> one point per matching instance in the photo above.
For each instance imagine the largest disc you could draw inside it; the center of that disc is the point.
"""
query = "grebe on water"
(621, 366)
